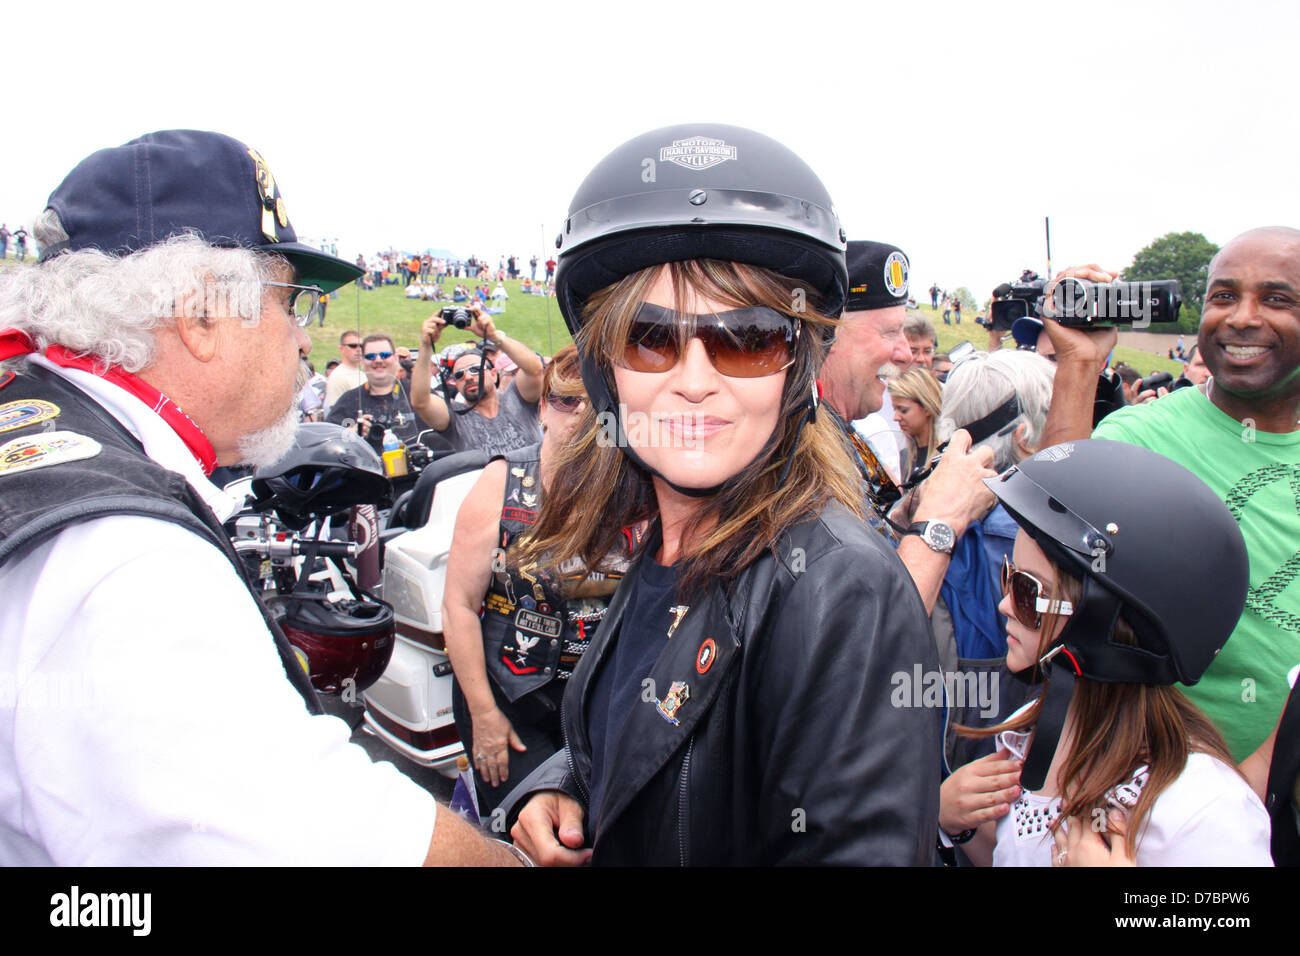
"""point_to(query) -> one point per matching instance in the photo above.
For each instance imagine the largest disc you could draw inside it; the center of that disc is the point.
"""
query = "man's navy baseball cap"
(177, 181)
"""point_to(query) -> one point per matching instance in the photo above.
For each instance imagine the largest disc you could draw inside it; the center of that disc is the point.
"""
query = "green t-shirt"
(1257, 474)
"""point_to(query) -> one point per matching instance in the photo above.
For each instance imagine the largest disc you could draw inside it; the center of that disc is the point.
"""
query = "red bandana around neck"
(14, 342)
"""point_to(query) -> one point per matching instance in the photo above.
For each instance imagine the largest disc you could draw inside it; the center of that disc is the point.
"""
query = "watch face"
(940, 535)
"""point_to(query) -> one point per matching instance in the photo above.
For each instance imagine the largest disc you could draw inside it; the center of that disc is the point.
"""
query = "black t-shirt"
(393, 411)
(618, 686)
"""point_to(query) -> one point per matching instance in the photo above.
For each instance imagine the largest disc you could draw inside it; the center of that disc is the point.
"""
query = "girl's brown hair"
(596, 490)
(1117, 729)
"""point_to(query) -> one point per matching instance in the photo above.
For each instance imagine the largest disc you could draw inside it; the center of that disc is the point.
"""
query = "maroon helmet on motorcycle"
(343, 645)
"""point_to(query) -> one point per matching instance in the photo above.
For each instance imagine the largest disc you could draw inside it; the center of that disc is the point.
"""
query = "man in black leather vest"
(155, 714)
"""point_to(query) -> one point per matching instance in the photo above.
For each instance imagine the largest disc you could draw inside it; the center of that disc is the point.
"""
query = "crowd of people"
(425, 270)
(754, 576)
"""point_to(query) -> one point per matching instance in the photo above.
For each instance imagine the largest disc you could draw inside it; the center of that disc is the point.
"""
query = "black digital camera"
(457, 316)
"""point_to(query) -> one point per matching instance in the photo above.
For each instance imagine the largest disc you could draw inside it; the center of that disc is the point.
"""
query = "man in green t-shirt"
(1239, 434)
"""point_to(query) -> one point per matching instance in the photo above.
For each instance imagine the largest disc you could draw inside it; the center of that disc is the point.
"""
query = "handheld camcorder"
(1079, 302)
(1083, 303)
(1016, 300)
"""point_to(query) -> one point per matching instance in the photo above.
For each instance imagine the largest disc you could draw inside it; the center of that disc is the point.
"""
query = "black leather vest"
(118, 479)
(535, 631)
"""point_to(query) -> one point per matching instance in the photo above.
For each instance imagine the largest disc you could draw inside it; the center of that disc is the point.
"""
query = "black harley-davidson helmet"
(1149, 540)
(328, 470)
(337, 641)
(699, 191)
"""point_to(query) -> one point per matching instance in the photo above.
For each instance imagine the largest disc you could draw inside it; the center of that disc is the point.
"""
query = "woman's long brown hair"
(1117, 729)
(597, 491)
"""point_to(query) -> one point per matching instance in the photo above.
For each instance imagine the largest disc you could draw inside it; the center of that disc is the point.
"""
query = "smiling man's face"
(1250, 329)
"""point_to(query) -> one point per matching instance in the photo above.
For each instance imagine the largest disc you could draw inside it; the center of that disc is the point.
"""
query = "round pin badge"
(896, 274)
(704, 659)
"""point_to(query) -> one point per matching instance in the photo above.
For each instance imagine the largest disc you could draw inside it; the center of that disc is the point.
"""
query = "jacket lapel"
(686, 679)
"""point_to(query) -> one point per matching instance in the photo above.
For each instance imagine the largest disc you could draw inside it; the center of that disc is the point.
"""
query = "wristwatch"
(939, 536)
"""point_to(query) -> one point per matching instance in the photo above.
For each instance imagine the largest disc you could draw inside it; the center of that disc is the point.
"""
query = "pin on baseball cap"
(126, 198)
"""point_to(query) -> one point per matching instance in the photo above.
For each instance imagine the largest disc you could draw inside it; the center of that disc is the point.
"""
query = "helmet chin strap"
(604, 403)
(1095, 614)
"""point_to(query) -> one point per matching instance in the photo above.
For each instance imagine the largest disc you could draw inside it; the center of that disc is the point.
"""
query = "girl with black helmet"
(1112, 595)
(735, 707)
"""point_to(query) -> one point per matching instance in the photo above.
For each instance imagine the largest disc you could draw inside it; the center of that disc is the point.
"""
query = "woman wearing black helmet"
(1124, 597)
(736, 706)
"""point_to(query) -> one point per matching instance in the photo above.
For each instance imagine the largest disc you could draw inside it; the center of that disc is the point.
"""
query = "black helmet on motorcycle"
(329, 469)
(1149, 540)
(337, 641)
(699, 191)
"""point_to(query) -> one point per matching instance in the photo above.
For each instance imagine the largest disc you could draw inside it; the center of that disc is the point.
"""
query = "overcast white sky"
(949, 128)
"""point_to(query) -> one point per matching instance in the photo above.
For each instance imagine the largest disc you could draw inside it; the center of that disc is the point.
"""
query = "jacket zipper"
(681, 802)
(568, 753)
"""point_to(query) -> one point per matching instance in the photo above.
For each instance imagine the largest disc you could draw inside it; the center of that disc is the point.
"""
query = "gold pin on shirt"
(678, 613)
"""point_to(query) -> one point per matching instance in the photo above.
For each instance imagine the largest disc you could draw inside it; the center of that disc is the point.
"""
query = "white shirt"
(145, 717)
(344, 378)
(1209, 816)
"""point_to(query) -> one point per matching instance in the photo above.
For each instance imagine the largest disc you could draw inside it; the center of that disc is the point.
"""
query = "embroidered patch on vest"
(28, 412)
(48, 448)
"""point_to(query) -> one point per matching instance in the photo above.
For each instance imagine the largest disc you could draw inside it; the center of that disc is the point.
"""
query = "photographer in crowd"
(382, 400)
(1237, 433)
(492, 420)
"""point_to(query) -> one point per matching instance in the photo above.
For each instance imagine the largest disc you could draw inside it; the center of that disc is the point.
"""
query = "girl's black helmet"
(1149, 540)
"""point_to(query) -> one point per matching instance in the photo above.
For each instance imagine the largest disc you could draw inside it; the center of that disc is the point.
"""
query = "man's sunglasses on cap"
(1026, 597)
(740, 343)
(304, 302)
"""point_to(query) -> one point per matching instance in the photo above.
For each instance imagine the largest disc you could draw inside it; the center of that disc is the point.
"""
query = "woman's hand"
(549, 830)
(980, 791)
(492, 734)
(1078, 843)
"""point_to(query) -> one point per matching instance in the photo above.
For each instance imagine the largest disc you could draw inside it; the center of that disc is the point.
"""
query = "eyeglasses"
(304, 302)
(470, 370)
(740, 343)
(1026, 597)
(377, 356)
(565, 403)
(352, 345)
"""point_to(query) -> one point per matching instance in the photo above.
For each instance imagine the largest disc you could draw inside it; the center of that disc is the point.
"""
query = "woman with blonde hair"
(917, 402)
(735, 706)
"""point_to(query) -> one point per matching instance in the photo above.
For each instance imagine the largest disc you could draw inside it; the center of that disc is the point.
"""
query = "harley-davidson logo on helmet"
(697, 152)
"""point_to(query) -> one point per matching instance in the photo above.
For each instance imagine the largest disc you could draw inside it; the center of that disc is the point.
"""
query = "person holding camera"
(492, 420)
(381, 399)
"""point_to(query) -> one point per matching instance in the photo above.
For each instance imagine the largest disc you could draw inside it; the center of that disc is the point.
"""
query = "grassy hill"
(532, 319)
